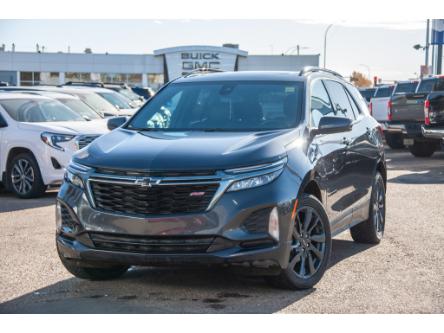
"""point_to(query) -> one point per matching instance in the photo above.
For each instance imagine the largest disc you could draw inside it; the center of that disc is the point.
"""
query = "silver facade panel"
(88, 63)
(277, 63)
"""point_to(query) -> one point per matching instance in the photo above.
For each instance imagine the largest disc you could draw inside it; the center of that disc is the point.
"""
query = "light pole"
(325, 44)
(368, 69)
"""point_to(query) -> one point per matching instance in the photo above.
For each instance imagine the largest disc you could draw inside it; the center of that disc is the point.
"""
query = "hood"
(184, 151)
(98, 126)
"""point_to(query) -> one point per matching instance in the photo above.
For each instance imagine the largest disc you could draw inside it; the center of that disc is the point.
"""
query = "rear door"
(327, 152)
(360, 154)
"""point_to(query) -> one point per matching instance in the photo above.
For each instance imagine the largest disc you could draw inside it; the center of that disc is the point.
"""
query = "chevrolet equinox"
(256, 170)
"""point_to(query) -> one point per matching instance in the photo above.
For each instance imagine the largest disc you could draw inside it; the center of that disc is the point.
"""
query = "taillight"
(427, 112)
(389, 106)
(370, 108)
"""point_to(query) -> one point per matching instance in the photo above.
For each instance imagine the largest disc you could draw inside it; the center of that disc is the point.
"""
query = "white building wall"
(80, 62)
(277, 63)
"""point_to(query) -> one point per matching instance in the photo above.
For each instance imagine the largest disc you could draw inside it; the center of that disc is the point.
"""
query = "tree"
(359, 80)
(88, 50)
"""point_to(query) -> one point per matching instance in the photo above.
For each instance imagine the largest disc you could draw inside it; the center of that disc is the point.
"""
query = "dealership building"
(44, 68)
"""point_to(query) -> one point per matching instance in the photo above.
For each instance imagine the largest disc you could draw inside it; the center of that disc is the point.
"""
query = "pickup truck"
(379, 109)
(367, 93)
(419, 117)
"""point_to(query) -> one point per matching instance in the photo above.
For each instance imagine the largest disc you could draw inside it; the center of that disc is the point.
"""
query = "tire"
(24, 177)
(423, 148)
(371, 231)
(88, 271)
(301, 252)
(394, 141)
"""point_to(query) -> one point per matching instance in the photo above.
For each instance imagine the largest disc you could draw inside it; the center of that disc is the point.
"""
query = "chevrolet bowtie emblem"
(144, 182)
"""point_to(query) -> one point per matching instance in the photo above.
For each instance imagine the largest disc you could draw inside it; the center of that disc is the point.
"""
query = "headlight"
(53, 139)
(73, 178)
(254, 181)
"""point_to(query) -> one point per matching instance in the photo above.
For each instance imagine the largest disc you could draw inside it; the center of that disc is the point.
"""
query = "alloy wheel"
(379, 210)
(22, 176)
(308, 243)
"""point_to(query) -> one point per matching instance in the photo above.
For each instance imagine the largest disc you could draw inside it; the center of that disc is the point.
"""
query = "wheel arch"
(311, 186)
(14, 151)
(382, 169)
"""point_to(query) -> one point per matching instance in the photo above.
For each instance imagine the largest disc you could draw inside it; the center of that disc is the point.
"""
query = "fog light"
(58, 217)
(273, 224)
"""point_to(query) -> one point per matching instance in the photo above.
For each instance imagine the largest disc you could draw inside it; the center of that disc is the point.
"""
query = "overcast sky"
(383, 48)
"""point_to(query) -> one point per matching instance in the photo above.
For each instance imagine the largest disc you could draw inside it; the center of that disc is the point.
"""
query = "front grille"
(155, 200)
(257, 221)
(152, 244)
(85, 140)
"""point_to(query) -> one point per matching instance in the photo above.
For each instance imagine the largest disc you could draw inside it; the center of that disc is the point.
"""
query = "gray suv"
(256, 170)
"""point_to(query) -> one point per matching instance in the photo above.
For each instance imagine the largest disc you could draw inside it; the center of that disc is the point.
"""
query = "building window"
(131, 79)
(49, 78)
(77, 77)
(155, 80)
(29, 78)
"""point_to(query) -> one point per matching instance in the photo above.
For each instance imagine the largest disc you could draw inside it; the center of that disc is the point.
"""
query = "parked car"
(121, 88)
(126, 91)
(145, 92)
(71, 101)
(91, 98)
(234, 168)
(38, 136)
(412, 112)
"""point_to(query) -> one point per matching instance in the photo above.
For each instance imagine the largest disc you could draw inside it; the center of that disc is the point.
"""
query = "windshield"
(367, 94)
(407, 87)
(81, 108)
(39, 110)
(116, 99)
(384, 92)
(222, 106)
(129, 94)
(97, 103)
(426, 86)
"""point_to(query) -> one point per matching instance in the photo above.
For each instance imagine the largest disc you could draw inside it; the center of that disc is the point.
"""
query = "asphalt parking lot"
(404, 274)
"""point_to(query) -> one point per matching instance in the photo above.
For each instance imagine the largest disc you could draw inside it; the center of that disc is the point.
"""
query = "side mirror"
(115, 122)
(329, 125)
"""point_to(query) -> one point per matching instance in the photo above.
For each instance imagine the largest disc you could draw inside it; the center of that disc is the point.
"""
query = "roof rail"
(203, 70)
(312, 69)
(84, 83)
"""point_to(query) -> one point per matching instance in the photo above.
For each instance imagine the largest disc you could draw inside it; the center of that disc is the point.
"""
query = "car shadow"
(433, 176)
(10, 203)
(169, 290)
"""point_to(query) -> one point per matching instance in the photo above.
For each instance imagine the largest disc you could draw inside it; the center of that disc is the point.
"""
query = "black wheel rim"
(379, 210)
(22, 176)
(308, 243)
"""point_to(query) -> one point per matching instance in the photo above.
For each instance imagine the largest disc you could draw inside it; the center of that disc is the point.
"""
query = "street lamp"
(368, 69)
(325, 44)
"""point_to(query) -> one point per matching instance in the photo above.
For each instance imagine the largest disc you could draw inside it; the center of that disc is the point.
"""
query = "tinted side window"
(360, 102)
(320, 103)
(340, 99)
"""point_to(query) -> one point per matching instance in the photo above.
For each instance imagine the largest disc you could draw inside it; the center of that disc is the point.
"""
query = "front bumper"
(233, 244)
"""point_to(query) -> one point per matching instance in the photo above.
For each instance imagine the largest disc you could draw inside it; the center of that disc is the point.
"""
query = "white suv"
(38, 136)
